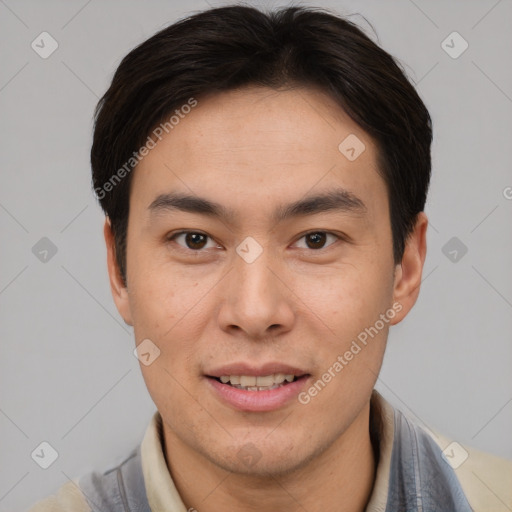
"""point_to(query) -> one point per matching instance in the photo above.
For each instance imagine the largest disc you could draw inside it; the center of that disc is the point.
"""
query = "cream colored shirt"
(486, 480)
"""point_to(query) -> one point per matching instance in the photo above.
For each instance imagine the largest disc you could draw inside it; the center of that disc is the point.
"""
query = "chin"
(260, 459)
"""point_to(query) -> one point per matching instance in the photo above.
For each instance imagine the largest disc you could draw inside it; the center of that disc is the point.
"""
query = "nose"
(256, 301)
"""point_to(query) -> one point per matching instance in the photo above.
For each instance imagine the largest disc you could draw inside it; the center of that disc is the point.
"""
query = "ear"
(117, 287)
(407, 282)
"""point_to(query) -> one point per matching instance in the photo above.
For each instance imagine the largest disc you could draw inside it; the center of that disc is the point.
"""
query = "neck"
(338, 479)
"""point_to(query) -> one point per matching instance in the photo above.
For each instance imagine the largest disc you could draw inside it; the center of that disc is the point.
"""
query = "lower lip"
(258, 401)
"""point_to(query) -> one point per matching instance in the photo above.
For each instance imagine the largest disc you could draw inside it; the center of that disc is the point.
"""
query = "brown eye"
(193, 240)
(316, 240)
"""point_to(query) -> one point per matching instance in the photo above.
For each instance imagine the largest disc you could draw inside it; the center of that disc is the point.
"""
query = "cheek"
(159, 296)
(349, 295)
(168, 307)
(346, 309)
(352, 347)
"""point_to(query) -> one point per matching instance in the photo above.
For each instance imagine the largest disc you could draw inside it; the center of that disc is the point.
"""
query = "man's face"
(252, 294)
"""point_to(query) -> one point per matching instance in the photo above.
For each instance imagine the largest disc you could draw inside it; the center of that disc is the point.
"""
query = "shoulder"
(425, 466)
(485, 478)
(69, 498)
(105, 489)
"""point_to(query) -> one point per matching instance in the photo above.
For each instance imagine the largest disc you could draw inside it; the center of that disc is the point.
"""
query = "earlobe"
(408, 274)
(117, 286)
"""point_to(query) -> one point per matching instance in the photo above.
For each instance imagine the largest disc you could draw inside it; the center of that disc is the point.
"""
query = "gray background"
(68, 375)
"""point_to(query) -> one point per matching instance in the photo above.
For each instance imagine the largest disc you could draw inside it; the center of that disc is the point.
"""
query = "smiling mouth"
(258, 383)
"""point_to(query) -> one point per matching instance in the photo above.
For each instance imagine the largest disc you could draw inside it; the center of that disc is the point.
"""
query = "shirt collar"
(163, 495)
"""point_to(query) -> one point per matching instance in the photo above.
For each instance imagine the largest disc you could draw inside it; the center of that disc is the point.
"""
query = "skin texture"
(252, 150)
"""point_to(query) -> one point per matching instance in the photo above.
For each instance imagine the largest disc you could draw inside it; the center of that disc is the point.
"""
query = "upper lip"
(262, 370)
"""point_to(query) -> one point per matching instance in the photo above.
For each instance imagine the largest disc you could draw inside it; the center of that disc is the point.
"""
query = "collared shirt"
(416, 471)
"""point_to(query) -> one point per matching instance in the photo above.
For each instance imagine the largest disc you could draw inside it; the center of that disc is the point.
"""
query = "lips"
(261, 388)
(263, 378)
(245, 369)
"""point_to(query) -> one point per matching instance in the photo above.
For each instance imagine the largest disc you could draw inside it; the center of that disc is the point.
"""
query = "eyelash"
(173, 236)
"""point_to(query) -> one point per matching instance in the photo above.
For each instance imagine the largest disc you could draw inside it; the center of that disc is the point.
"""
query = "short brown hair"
(225, 48)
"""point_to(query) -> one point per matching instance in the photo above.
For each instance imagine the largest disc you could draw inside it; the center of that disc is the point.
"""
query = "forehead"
(256, 145)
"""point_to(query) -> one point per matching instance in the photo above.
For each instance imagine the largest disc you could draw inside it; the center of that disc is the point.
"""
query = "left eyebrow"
(338, 200)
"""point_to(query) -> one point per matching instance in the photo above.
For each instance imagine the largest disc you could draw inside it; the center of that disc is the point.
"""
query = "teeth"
(278, 378)
(259, 388)
(247, 380)
(265, 381)
(258, 383)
